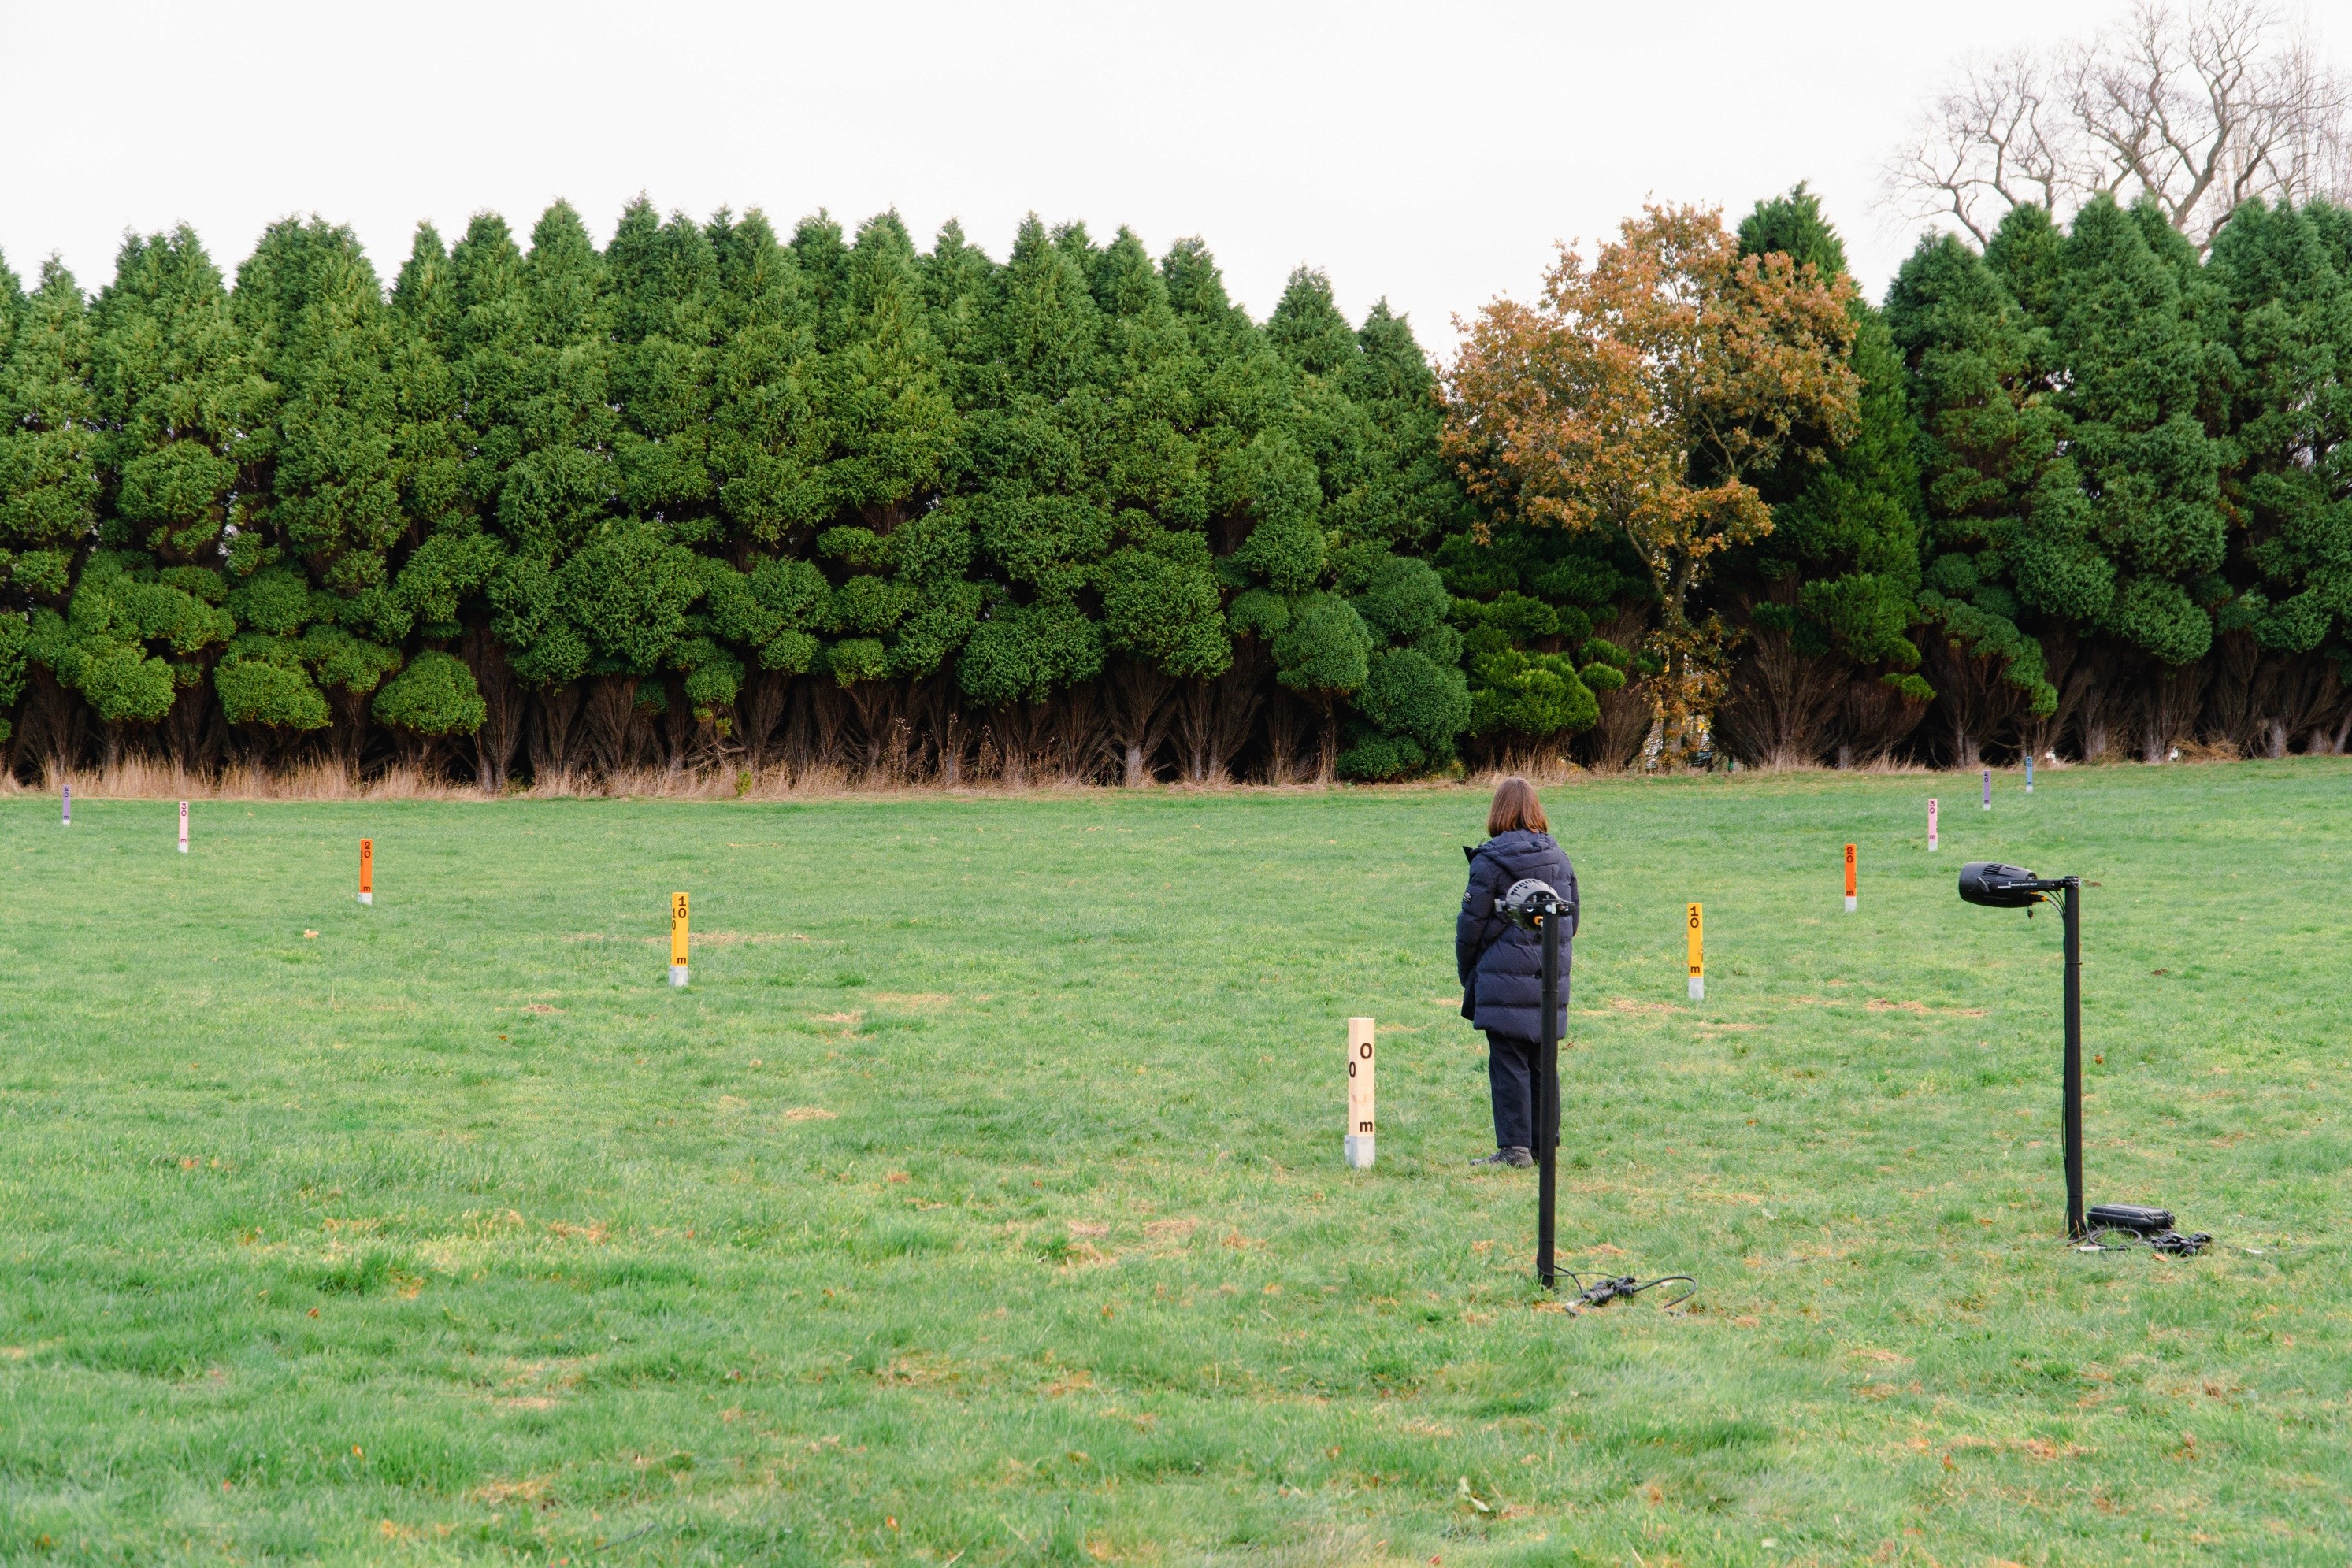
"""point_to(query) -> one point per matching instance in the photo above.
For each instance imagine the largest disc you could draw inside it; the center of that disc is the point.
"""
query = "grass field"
(981, 1200)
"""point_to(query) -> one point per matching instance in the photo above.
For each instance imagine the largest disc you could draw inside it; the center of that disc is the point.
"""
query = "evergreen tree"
(530, 341)
(188, 430)
(2141, 384)
(888, 428)
(766, 458)
(49, 481)
(312, 601)
(1991, 447)
(2286, 634)
(1828, 598)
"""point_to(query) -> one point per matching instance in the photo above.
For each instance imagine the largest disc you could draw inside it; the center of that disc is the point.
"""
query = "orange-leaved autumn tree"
(1641, 393)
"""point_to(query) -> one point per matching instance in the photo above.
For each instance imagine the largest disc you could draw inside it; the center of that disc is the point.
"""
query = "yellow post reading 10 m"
(1698, 916)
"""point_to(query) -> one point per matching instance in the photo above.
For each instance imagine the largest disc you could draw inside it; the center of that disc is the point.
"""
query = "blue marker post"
(2029, 773)
(1987, 793)
(68, 806)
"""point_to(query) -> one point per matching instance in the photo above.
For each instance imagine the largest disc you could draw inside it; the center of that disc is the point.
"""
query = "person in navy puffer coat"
(1501, 965)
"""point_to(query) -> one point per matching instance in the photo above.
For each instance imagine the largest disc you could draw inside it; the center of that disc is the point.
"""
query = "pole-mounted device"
(1538, 906)
(1999, 886)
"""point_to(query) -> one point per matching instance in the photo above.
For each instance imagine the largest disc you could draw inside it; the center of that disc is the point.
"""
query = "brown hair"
(1515, 806)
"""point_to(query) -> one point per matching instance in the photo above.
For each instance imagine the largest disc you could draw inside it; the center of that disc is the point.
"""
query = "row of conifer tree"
(715, 495)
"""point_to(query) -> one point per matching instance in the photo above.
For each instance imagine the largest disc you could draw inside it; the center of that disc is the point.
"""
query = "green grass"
(453, 1233)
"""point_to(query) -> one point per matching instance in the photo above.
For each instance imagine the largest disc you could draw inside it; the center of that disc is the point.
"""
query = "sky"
(1431, 154)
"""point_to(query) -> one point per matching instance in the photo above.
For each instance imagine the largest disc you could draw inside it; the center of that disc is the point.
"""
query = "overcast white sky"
(1432, 153)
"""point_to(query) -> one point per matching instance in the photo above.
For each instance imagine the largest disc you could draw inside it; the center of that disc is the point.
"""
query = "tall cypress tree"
(890, 430)
(188, 425)
(316, 324)
(2284, 637)
(2141, 386)
(767, 451)
(1355, 416)
(531, 341)
(1162, 613)
(1038, 512)
(1827, 600)
(1991, 451)
(31, 466)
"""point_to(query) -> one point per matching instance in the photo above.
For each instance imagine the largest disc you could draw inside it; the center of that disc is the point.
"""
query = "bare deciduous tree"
(1996, 142)
(2199, 107)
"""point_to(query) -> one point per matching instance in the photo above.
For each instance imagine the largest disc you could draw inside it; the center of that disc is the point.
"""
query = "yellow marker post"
(367, 870)
(1359, 1145)
(678, 938)
(1697, 953)
(1852, 904)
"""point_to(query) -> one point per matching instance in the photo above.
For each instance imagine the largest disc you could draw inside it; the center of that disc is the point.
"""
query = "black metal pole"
(1548, 1100)
(2076, 1228)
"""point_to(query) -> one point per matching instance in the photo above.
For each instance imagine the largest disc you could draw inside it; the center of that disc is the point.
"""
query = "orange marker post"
(677, 939)
(367, 870)
(1851, 903)
(1698, 916)
(1359, 1145)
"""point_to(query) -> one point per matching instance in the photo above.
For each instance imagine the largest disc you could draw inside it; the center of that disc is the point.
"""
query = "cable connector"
(1624, 1287)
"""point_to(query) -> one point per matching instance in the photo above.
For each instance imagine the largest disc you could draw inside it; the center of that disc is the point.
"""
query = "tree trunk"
(56, 726)
(1081, 735)
(553, 734)
(609, 717)
(1781, 701)
(1626, 714)
(686, 740)
(1140, 713)
(828, 722)
(1285, 737)
(876, 705)
(766, 695)
(939, 741)
(2168, 710)
(1973, 699)
(2071, 669)
(503, 709)
(1016, 743)
(347, 735)
(1874, 718)
(1213, 719)
(194, 736)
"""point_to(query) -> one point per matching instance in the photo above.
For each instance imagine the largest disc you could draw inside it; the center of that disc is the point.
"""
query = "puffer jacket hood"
(1501, 965)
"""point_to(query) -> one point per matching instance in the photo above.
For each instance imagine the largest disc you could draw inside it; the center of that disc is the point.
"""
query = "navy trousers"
(1511, 1069)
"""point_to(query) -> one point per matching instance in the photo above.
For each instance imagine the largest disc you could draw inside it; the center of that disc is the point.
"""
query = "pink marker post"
(183, 827)
(1931, 824)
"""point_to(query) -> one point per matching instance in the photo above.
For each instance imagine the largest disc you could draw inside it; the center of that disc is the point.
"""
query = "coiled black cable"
(2176, 1243)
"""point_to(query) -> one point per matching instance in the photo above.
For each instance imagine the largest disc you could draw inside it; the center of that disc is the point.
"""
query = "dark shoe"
(1513, 1157)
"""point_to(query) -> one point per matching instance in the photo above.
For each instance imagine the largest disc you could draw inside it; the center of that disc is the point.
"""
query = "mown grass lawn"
(983, 1194)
